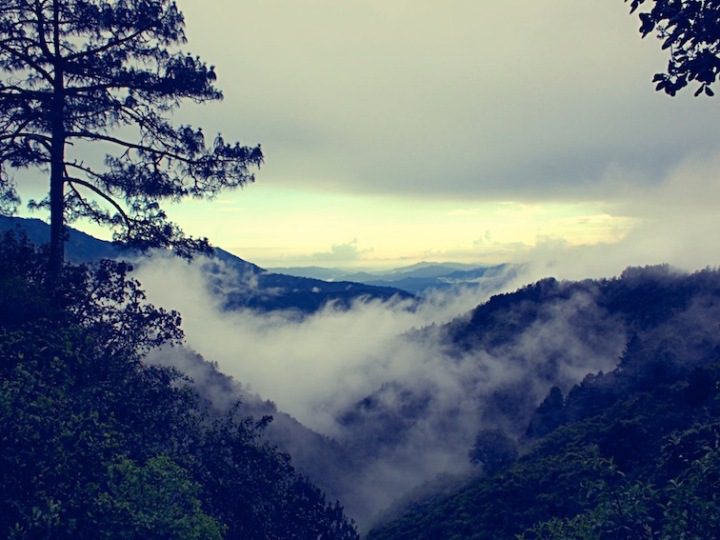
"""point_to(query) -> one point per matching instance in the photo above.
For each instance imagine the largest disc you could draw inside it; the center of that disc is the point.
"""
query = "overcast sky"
(401, 130)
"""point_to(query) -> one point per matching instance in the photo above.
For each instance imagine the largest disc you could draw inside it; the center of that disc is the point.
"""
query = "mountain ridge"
(304, 295)
(420, 279)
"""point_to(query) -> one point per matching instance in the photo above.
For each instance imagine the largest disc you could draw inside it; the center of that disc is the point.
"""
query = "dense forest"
(627, 454)
(96, 444)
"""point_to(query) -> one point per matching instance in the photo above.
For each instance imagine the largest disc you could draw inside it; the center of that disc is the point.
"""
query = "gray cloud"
(509, 99)
(340, 253)
(676, 220)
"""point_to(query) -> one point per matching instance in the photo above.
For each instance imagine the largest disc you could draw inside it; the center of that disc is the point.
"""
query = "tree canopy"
(97, 444)
(80, 79)
(690, 30)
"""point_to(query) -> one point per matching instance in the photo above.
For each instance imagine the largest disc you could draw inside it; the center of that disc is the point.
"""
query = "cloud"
(674, 224)
(320, 367)
(341, 253)
(510, 100)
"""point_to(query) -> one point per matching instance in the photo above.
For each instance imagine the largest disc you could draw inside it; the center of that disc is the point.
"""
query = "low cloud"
(297, 364)
(341, 253)
(426, 401)
(674, 221)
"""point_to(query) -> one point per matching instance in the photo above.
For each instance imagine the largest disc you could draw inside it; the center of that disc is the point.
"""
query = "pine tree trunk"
(57, 206)
(57, 161)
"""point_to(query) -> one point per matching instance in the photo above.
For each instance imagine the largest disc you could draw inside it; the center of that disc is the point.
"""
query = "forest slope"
(630, 453)
(96, 444)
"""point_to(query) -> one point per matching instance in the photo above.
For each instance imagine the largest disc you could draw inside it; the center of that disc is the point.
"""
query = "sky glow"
(282, 226)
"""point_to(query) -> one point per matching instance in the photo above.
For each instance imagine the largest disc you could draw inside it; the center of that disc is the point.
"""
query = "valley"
(380, 399)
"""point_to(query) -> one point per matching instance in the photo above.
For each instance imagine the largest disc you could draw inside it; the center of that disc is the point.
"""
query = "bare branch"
(107, 46)
(82, 168)
(129, 145)
(41, 31)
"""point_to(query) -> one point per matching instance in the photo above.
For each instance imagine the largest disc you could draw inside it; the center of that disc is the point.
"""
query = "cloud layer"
(505, 100)
(428, 402)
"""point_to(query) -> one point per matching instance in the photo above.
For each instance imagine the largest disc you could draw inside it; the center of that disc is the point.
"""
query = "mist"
(384, 381)
(674, 218)
(381, 378)
(301, 363)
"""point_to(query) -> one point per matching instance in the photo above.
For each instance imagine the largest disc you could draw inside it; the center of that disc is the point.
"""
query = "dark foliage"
(642, 298)
(690, 31)
(618, 474)
(548, 415)
(95, 444)
(494, 450)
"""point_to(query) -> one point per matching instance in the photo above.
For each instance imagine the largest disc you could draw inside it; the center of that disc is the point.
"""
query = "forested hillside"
(96, 444)
(631, 453)
(95, 439)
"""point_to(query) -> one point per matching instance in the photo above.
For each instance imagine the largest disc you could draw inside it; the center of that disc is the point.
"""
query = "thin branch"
(21, 92)
(130, 146)
(106, 46)
(72, 180)
(84, 169)
(41, 31)
(23, 125)
(36, 136)
(28, 60)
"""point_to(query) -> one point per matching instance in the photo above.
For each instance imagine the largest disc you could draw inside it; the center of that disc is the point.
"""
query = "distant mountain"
(313, 272)
(417, 279)
(80, 248)
(280, 291)
(269, 291)
(431, 269)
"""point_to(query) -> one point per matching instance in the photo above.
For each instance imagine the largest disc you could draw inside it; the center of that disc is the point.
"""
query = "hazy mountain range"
(519, 365)
(420, 279)
(305, 289)
(244, 284)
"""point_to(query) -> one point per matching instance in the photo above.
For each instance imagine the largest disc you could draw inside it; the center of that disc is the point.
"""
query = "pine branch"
(27, 59)
(132, 146)
(73, 180)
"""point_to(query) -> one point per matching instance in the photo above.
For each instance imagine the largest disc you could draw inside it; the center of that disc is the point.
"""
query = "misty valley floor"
(396, 405)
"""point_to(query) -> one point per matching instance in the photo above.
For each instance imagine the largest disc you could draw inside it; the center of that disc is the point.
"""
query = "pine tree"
(83, 78)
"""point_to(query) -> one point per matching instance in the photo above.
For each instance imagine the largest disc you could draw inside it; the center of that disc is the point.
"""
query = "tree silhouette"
(83, 78)
(690, 29)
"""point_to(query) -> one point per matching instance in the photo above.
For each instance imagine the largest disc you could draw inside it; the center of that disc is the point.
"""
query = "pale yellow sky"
(397, 131)
(285, 227)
